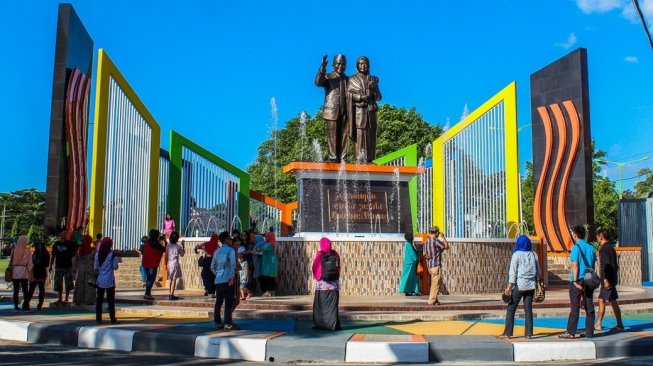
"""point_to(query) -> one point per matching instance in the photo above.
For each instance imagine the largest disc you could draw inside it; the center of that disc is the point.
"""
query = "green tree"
(528, 197)
(23, 209)
(644, 187)
(606, 198)
(35, 234)
(398, 127)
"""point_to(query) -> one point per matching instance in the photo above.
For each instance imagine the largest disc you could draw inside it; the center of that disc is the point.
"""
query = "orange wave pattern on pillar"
(562, 144)
(562, 197)
(552, 223)
(537, 205)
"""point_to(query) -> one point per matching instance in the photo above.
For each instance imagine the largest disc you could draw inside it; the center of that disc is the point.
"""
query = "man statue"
(335, 106)
(362, 94)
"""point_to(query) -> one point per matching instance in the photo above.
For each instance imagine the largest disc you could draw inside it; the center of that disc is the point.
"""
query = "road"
(28, 354)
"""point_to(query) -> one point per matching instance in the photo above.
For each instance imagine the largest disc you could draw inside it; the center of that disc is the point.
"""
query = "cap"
(434, 229)
(507, 299)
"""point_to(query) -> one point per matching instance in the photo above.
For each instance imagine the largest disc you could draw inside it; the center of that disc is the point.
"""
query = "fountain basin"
(352, 198)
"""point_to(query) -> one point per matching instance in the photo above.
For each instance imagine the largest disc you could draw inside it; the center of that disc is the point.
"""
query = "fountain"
(239, 225)
(318, 158)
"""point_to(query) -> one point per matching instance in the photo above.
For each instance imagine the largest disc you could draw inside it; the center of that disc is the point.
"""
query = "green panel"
(177, 143)
(410, 154)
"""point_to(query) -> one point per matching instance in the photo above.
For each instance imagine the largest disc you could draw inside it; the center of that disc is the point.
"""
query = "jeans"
(224, 293)
(32, 288)
(143, 274)
(18, 285)
(111, 300)
(577, 296)
(528, 310)
(436, 280)
(150, 275)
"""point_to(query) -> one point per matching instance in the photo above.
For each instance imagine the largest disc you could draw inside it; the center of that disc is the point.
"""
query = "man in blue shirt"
(223, 266)
(582, 256)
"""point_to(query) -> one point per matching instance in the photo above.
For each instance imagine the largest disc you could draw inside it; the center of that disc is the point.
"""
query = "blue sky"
(208, 69)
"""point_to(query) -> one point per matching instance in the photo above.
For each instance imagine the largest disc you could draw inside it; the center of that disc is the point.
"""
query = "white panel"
(232, 348)
(105, 338)
(361, 351)
(553, 351)
(14, 330)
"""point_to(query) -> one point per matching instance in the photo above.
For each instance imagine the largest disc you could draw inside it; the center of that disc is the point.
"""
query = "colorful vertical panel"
(67, 182)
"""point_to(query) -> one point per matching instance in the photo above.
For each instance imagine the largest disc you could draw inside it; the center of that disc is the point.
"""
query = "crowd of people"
(422, 270)
(78, 264)
(235, 265)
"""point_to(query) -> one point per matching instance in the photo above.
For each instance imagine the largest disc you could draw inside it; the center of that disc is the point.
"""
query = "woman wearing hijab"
(208, 277)
(259, 242)
(327, 295)
(21, 262)
(40, 261)
(269, 266)
(105, 263)
(84, 293)
(524, 271)
(409, 284)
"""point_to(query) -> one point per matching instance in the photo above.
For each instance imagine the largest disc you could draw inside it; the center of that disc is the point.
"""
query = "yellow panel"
(454, 327)
(435, 327)
(107, 70)
(509, 97)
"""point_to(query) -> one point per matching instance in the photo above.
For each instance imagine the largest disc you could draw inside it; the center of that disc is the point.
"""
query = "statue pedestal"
(352, 198)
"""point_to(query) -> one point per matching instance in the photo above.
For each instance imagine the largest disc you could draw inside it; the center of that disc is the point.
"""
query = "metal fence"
(636, 230)
(209, 196)
(264, 216)
(425, 197)
(475, 169)
(164, 172)
(126, 192)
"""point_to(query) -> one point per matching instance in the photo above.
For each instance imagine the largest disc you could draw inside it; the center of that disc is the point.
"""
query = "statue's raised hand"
(325, 60)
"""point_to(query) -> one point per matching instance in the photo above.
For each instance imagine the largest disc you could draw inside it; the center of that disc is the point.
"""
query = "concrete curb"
(321, 346)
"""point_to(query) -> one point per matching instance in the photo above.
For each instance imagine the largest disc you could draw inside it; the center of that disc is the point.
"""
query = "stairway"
(558, 275)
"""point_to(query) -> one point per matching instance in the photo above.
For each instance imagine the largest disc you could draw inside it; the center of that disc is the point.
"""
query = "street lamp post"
(621, 165)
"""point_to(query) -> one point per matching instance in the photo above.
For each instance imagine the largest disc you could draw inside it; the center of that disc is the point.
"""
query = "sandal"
(503, 336)
(566, 336)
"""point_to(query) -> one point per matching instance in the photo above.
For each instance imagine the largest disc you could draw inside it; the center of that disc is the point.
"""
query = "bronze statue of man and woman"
(349, 108)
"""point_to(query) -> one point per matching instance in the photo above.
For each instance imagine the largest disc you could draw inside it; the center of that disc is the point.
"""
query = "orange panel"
(537, 205)
(562, 144)
(365, 168)
(562, 197)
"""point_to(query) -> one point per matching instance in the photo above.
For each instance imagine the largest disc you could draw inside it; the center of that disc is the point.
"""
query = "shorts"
(608, 295)
(63, 276)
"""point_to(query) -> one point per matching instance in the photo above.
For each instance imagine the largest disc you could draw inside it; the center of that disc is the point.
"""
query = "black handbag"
(200, 261)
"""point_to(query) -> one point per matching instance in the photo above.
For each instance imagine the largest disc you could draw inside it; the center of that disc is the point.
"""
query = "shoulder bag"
(9, 272)
(590, 278)
(540, 287)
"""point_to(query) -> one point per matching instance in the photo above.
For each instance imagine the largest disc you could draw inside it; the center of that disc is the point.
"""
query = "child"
(174, 252)
(244, 276)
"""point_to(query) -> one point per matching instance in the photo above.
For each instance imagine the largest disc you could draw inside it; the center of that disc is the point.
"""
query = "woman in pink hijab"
(326, 271)
(21, 262)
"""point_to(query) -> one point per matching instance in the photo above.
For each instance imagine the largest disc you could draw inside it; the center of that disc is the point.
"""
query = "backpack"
(330, 266)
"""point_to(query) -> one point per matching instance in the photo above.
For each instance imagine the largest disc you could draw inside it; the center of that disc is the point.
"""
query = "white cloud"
(570, 42)
(598, 6)
(626, 7)
(632, 59)
(646, 6)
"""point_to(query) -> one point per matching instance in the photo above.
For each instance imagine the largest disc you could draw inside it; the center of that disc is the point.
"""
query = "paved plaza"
(279, 330)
